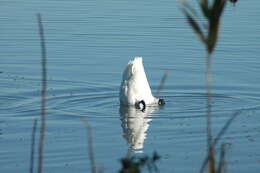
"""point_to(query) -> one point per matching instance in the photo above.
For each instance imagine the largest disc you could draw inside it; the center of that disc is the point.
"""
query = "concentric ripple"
(99, 100)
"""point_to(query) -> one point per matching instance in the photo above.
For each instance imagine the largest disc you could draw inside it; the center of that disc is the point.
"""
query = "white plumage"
(134, 86)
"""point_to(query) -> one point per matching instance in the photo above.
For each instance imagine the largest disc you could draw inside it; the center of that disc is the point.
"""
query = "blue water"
(88, 45)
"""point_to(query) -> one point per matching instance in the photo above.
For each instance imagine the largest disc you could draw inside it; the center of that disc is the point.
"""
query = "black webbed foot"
(161, 102)
(141, 105)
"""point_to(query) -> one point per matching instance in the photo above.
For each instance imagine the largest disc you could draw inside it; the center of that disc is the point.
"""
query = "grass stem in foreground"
(90, 146)
(33, 145)
(43, 94)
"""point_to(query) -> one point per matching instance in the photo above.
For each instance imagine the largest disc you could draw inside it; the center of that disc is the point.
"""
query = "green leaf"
(217, 8)
(212, 36)
(214, 20)
(205, 8)
(195, 26)
(221, 8)
(205, 3)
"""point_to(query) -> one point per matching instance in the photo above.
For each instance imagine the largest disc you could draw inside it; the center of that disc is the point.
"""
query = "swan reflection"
(135, 124)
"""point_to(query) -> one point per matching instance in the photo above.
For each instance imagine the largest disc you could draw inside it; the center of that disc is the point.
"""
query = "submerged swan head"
(135, 89)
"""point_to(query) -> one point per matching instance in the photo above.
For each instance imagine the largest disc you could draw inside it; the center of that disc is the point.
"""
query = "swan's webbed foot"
(161, 102)
(141, 105)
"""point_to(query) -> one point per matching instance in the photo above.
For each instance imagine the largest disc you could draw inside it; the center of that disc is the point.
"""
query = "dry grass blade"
(43, 95)
(222, 162)
(220, 134)
(33, 146)
(90, 146)
(211, 162)
(226, 126)
(165, 75)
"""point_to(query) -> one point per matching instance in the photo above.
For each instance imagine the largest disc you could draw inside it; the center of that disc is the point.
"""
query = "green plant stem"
(209, 98)
(90, 146)
(211, 156)
(43, 94)
(33, 145)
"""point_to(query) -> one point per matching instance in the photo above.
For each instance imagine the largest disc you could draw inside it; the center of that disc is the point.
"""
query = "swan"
(135, 89)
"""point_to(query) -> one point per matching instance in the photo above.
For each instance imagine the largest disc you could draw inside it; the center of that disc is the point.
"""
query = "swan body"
(135, 89)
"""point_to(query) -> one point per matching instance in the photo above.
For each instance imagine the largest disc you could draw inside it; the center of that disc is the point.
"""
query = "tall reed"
(33, 146)
(91, 152)
(212, 12)
(43, 94)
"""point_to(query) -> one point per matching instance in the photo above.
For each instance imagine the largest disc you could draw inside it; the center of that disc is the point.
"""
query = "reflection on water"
(135, 124)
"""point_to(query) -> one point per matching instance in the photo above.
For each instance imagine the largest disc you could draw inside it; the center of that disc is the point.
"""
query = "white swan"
(135, 89)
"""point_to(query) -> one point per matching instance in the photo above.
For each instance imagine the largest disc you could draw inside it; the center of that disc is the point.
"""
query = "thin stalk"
(212, 14)
(222, 167)
(220, 134)
(162, 84)
(211, 161)
(33, 146)
(90, 146)
(209, 98)
(43, 94)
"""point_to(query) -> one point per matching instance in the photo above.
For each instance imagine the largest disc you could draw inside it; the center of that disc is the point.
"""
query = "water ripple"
(99, 100)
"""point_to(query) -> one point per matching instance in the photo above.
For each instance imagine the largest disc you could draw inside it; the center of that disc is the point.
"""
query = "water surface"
(88, 45)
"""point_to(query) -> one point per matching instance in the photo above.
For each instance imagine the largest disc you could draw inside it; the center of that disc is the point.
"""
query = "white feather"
(134, 85)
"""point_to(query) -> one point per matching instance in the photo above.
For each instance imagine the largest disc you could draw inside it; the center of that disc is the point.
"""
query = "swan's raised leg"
(161, 102)
(141, 105)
